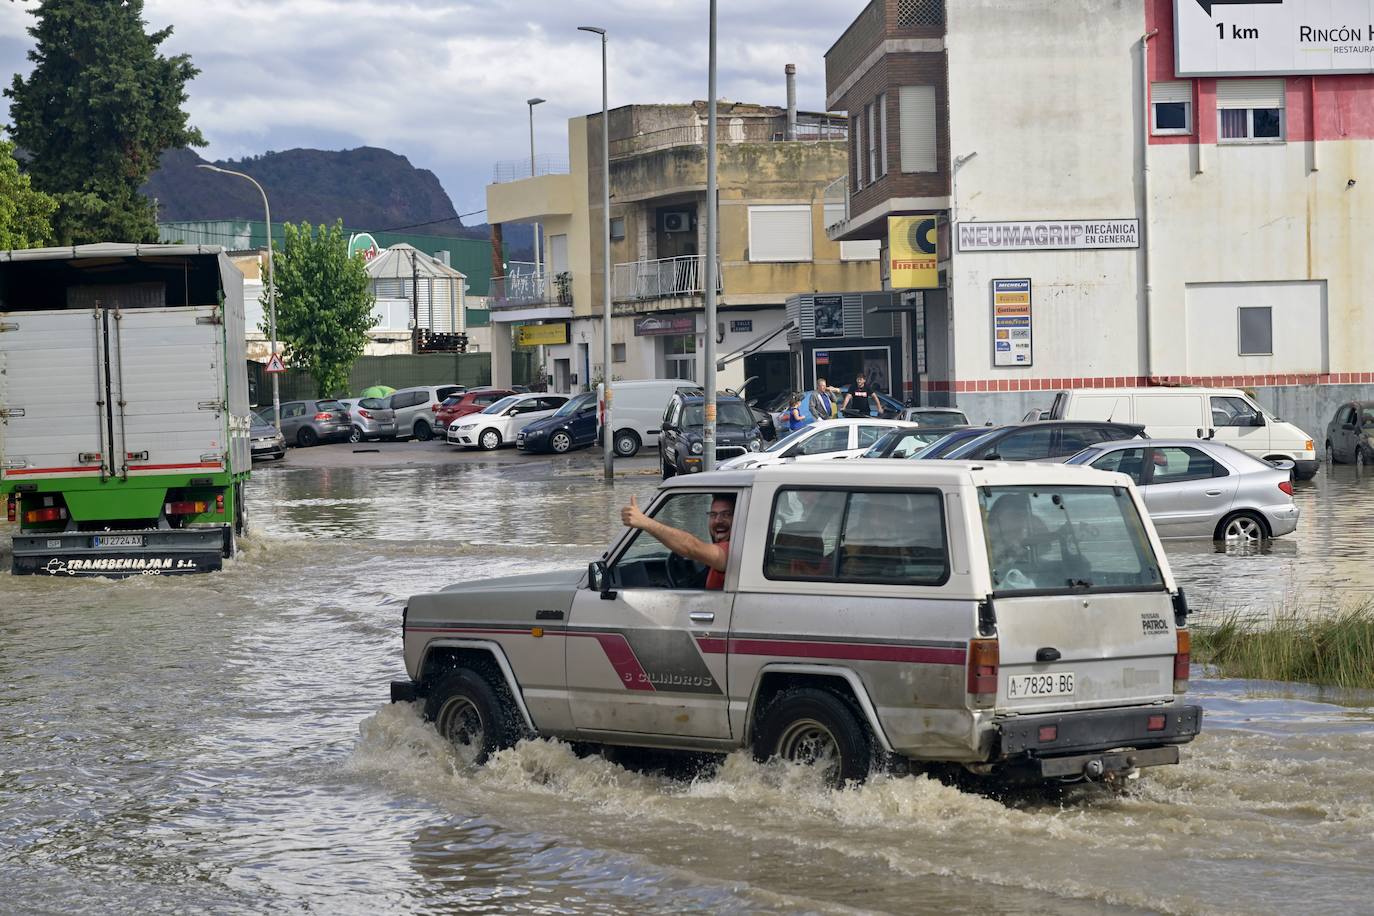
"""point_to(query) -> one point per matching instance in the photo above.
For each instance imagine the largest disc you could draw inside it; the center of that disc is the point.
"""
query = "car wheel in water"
(1330, 454)
(473, 717)
(355, 435)
(626, 444)
(489, 440)
(560, 442)
(815, 727)
(423, 433)
(307, 437)
(1242, 528)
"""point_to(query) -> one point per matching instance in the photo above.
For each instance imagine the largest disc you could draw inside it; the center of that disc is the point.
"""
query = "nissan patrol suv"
(680, 442)
(1018, 621)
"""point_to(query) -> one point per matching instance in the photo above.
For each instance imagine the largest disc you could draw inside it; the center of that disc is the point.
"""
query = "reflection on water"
(223, 743)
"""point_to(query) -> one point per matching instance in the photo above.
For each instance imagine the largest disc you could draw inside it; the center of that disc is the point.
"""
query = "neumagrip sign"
(1273, 37)
(914, 252)
(1011, 323)
(1049, 235)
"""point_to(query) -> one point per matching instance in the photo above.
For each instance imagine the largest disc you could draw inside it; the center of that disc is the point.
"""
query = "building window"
(1171, 108)
(882, 133)
(680, 356)
(1256, 330)
(870, 113)
(858, 151)
(617, 228)
(617, 353)
(1250, 111)
(780, 233)
(915, 14)
(917, 126)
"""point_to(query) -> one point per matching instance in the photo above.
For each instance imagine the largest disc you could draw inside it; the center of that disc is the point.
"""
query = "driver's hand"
(631, 517)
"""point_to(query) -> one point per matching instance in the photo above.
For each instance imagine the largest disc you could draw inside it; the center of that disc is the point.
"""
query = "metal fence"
(737, 130)
(402, 371)
(519, 169)
(660, 279)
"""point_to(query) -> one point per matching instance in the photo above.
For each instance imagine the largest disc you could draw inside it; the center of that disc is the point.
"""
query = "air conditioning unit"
(677, 221)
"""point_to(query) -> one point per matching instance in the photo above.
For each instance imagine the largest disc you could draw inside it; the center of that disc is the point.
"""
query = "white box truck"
(124, 420)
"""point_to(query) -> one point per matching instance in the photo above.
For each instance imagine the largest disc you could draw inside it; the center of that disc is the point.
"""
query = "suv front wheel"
(812, 726)
(471, 716)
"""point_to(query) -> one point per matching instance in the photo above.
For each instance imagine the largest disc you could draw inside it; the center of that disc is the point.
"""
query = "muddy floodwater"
(224, 744)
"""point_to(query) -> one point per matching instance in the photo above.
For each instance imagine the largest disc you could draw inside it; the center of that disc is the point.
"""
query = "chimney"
(791, 71)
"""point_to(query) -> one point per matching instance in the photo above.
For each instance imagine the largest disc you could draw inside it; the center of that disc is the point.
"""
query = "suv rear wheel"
(812, 726)
(471, 716)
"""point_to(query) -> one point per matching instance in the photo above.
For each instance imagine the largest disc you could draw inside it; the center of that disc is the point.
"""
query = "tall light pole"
(271, 286)
(708, 436)
(607, 426)
(539, 274)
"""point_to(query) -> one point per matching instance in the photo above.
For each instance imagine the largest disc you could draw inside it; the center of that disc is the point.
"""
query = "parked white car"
(499, 423)
(822, 441)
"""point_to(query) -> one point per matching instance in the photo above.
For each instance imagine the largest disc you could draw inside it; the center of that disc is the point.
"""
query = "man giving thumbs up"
(719, 521)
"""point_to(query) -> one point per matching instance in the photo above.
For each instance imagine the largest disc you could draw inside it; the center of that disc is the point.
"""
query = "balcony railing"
(810, 128)
(518, 169)
(837, 202)
(661, 279)
(525, 289)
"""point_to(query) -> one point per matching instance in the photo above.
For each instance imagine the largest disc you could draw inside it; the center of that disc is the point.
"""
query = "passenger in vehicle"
(719, 522)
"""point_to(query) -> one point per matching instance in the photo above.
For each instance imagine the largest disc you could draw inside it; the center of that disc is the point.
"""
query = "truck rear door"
(1084, 618)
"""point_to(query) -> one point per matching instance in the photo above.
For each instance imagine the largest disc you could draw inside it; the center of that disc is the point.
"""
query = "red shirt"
(715, 579)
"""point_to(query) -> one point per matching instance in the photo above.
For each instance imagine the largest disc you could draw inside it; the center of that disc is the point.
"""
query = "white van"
(1224, 414)
(637, 411)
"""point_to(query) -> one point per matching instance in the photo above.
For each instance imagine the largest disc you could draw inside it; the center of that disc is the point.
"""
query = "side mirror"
(1257, 420)
(992, 456)
(599, 578)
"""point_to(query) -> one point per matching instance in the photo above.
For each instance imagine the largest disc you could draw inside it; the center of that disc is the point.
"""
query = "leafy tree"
(25, 214)
(324, 304)
(96, 113)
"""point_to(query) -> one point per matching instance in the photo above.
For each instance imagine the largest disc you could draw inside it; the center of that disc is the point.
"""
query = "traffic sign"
(274, 364)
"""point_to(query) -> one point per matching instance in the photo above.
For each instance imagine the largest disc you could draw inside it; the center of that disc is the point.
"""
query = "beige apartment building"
(773, 170)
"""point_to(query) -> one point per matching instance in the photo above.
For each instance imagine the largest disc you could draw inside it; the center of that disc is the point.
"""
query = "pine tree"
(95, 115)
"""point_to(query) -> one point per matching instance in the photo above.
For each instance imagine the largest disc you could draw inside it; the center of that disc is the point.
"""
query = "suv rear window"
(894, 537)
(1059, 539)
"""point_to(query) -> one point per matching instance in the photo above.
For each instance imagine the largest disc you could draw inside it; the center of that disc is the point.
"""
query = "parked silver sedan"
(1195, 488)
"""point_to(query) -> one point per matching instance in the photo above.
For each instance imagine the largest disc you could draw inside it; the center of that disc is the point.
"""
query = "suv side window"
(1174, 464)
(894, 537)
(1025, 445)
(1073, 439)
(645, 563)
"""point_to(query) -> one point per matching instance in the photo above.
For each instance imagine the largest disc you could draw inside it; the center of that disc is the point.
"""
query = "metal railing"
(660, 279)
(519, 169)
(530, 288)
(836, 196)
(811, 129)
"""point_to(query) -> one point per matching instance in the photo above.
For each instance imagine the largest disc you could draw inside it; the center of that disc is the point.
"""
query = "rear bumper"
(1282, 519)
(1117, 739)
(173, 552)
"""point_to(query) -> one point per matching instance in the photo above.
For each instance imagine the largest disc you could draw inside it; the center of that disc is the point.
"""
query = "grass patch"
(1335, 650)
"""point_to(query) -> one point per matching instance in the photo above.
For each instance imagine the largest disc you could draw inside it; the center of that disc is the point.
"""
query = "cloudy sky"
(444, 82)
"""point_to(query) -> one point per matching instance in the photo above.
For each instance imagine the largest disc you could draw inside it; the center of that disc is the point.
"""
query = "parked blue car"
(572, 427)
(891, 407)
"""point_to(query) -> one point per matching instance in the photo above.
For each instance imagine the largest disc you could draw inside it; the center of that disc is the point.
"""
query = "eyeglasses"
(723, 516)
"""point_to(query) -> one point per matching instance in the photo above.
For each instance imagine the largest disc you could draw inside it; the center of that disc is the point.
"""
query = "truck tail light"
(12, 509)
(1286, 487)
(1156, 723)
(1183, 658)
(37, 516)
(219, 503)
(186, 508)
(983, 660)
(322, 416)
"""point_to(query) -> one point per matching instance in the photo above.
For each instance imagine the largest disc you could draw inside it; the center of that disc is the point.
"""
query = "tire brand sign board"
(1273, 37)
(914, 252)
(1011, 323)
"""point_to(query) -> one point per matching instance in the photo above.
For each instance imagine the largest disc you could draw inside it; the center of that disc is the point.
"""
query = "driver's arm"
(680, 542)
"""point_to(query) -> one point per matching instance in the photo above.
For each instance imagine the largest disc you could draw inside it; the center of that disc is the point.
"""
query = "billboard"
(1273, 37)
(913, 252)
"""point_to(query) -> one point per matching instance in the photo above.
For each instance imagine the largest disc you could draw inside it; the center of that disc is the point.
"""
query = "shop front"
(840, 336)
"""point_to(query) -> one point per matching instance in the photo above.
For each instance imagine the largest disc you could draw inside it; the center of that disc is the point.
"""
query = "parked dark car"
(573, 426)
(1043, 440)
(684, 421)
(264, 439)
(952, 439)
(906, 441)
(307, 423)
(1348, 435)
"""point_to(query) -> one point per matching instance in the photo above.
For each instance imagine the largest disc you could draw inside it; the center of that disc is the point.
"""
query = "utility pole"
(540, 276)
(607, 425)
(708, 458)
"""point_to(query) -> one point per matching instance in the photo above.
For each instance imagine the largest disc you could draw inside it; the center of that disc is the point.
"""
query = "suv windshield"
(576, 404)
(1058, 539)
(728, 413)
(502, 404)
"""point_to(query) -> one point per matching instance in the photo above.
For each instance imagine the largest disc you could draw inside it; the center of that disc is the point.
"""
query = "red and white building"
(1175, 228)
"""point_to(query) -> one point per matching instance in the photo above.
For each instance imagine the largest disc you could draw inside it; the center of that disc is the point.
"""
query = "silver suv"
(1019, 621)
(414, 409)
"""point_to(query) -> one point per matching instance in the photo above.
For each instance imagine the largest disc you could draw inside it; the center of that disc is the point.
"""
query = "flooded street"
(224, 743)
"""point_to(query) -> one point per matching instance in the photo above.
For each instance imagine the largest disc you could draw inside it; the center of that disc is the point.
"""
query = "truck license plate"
(117, 540)
(1058, 684)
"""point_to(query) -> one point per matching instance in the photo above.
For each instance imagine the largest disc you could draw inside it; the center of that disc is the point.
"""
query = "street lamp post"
(539, 274)
(271, 287)
(708, 437)
(607, 426)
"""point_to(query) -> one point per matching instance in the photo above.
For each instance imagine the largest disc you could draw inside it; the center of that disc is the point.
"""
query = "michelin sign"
(1273, 37)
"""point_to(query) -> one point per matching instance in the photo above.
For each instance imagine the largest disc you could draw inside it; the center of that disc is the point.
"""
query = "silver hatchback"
(1195, 488)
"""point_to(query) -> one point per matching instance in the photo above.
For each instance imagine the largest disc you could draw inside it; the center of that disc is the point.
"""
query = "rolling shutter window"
(917, 125)
(780, 233)
(882, 131)
(1232, 94)
(1179, 91)
(862, 250)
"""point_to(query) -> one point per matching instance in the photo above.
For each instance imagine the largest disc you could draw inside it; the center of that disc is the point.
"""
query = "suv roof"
(899, 472)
